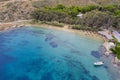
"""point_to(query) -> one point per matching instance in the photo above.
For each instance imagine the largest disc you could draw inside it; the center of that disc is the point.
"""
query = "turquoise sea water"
(44, 54)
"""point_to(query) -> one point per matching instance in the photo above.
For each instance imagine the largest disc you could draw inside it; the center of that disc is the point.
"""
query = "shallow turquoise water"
(44, 54)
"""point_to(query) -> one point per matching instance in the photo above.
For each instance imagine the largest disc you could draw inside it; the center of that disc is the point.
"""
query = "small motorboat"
(99, 63)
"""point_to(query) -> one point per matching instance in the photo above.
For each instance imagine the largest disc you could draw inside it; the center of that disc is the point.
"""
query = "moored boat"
(99, 63)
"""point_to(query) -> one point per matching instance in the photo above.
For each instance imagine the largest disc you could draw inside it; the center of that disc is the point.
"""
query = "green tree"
(60, 6)
(110, 8)
(89, 8)
(117, 12)
(116, 50)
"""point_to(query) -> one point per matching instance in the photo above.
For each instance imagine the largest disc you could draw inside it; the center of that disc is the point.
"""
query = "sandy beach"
(85, 33)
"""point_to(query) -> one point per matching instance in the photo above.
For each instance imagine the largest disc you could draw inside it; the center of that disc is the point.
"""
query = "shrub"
(117, 12)
(100, 19)
(83, 27)
(60, 6)
(89, 8)
(116, 50)
(48, 15)
(54, 23)
(110, 8)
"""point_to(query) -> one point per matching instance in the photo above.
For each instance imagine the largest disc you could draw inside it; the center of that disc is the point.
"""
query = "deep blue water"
(44, 54)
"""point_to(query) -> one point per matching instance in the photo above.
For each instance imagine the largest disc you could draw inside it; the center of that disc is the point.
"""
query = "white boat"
(99, 63)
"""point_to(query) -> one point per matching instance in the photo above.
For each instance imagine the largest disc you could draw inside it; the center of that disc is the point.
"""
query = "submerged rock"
(94, 78)
(53, 44)
(49, 37)
(47, 76)
(23, 78)
(96, 54)
(5, 59)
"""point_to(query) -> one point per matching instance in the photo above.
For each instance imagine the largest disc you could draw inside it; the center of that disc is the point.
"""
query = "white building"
(80, 15)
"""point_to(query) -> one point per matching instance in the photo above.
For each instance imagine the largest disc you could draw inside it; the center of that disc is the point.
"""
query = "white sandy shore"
(90, 34)
(85, 33)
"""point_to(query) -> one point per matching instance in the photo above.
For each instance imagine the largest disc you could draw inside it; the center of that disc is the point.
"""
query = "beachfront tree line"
(95, 16)
(47, 15)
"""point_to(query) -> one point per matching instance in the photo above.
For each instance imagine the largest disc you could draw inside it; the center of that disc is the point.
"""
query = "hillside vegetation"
(39, 3)
(18, 10)
(11, 10)
(96, 14)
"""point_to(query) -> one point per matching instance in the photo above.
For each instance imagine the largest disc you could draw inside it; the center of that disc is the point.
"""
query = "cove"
(31, 53)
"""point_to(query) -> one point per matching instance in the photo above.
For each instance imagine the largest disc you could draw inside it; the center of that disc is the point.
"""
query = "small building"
(80, 15)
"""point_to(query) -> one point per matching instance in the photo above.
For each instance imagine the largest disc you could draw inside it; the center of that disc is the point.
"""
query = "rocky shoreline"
(15, 24)
(10, 27)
